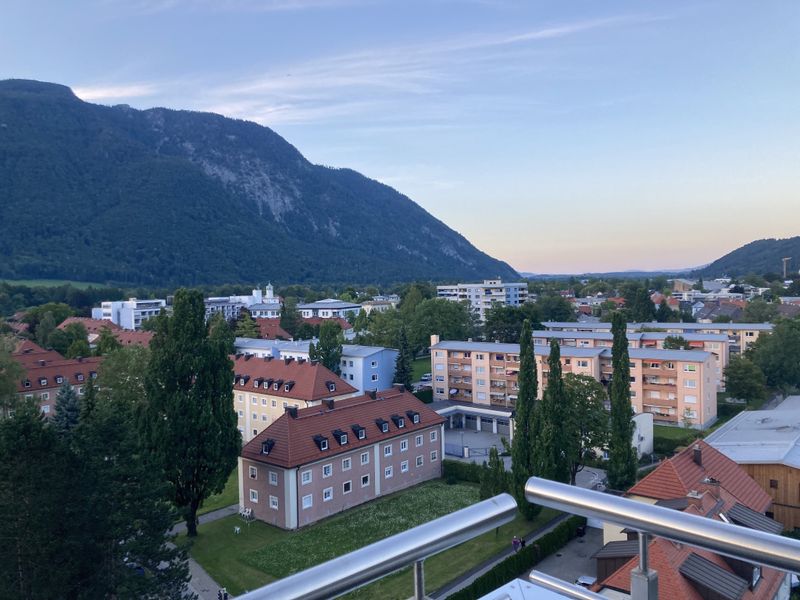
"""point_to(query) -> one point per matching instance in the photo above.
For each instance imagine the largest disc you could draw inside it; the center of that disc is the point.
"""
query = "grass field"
(228, 496)
(261, 553)
(420, 366)
(82, 285)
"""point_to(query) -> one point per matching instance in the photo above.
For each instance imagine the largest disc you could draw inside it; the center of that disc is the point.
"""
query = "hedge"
(455, 470)
(520, 562)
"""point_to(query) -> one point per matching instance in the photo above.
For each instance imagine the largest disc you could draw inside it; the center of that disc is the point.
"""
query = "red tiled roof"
(310, 379)
(91, 325)
(319, 320)
(294, 443)
(29, 354)
(271, 329)
(680, 474)
(134, 338)
(69, 369)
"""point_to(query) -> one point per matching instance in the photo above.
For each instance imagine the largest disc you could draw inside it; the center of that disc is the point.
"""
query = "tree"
(621, 455)
(384, 328)
(10, 374)
(67, 411)
(219, 329)
(664, 314)
(587, 419)
(758, 311)
(107, 342)
(722, 319)
(246, 327)
(361, 322)
(329, 349)
(403, 371)
(33, 317)
(44, 328)
(503, 324)
(190, 425)
(494, 479)
(745, 380)
(306, 331)
(290, 318)
(553, 307)
(451, 320)
(778, 354)
(526, 424)
(556, 446)
(411, 300)
(676, 342)
(78, 348)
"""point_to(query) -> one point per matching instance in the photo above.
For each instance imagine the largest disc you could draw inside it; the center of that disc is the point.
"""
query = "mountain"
(99, 193)
(760, 257)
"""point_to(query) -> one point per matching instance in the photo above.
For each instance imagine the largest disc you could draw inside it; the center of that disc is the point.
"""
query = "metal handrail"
(723, 538)
(554, 584)
(348, 572)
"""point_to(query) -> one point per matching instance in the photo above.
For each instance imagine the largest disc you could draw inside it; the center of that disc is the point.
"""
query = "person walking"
(515, 543)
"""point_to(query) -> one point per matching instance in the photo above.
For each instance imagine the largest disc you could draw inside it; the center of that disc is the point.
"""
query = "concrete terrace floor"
(574, 559)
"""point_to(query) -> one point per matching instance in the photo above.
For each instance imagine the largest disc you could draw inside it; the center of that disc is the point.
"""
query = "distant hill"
(760, 257)
(113, 194)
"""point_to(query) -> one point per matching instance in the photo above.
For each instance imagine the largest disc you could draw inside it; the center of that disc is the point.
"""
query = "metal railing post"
(644, 581)
(419, 580)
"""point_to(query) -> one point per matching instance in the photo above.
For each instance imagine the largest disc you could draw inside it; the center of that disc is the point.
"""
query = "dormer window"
(321, 441)
(79, 376)
(27, 383)
(59, 379)
(340, 436)
(382, 425)
(93, 374)
(360, 432)
(42, 381)
(241, 381)
(399, 421)
(256, 382)
(413, 415)
(331, 386)
(266, 446)
(275, 386)
(288, 386)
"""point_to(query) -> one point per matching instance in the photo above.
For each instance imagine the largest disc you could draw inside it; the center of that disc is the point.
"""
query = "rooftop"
(664, 326)
(329, 303)
(574, 352)
(760, 437)
(353, 350)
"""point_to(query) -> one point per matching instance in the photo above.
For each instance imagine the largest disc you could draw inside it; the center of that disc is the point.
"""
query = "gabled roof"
(69, 369)
(91, 325)
(134, 338)
(28, 354)
(294, 444)
(680, 475)
(270, 329)
(311, 379)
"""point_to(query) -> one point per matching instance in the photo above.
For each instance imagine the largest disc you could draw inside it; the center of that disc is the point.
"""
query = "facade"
(317, 462)
(263, 305)
(129, 314)
(329, 309)
(740, 335)
(678, 387)
(483, 296)
(363, 367)
(766, 445)
(377, 306)
(263, 388)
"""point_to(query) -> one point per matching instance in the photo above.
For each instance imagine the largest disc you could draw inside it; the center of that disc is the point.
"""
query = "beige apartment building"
(678, 387)
(740, 335)
(263, 388)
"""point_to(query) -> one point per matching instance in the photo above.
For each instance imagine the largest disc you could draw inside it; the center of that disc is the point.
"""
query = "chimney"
(697, 455)
(434, 339)
(373, 394)
(399, 387)
(268, 358)
(329, 402)
(292, 410)
(287, 360)
(711, 485)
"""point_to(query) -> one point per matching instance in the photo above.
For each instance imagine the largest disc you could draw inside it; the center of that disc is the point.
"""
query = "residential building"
(703, 482)
(377, 306)
(129, 314)
(363, 367)
(269, 306)
(28, 353)
(316, 462)
(329, 308)
(766, 445)
(677, 386)
(263, 388)
(347, 329)
(95, 326)
(270, 329)
(483, 296)
(392, 298)
(260, 304)
(741, 335)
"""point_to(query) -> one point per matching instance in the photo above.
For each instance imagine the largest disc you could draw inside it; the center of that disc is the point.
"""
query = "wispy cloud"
(115, 92)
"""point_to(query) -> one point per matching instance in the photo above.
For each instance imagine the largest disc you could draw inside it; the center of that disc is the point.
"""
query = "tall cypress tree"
(190, 424)
(329, 347)
(402, 370)
(68, 409)
(551, 448)
(621, 455)
(526, 425)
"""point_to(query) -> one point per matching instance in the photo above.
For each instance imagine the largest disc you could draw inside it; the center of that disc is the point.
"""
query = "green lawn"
(262, 553)
(228, 496)
(82, 285)
(674, 433)
(420, 366)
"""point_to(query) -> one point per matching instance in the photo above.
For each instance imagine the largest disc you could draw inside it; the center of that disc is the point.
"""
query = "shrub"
(461, 471)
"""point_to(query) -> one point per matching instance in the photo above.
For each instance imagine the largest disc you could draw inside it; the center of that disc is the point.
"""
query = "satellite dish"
(453, 391)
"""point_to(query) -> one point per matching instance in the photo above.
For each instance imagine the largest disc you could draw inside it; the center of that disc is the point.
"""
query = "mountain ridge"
(162, 196)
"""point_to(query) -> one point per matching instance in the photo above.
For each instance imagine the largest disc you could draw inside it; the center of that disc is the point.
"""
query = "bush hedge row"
(517, 564)
(454, 470)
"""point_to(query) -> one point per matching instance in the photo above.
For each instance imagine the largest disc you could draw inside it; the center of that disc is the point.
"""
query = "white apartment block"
(129, 314)
(261, 305)
(482, 296)
(330, 308)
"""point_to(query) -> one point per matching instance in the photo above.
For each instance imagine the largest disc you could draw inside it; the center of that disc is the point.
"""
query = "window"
(671, 365)
(388, 472)
(439, 367)
(420, 461)
(481, 382)
(346, 464)
(59, 380)
(434, 456)
(655, 365)
(387, 450)
(308, 501)
(327, 494)
(327, 471)
(364, 480)
(263, 402)
(481, 395)
(46, 409)
(273, 478)
(773, 484)
(43, 381)
(365, 458)
(690, 383)
(404, 466)
(351, 363)
(374, 377)
(241, 413)
(583, 363)
(347, 487)
(434, 435)
(254, 496)
(480, 369)
(305, 477)
(263, 417)
(274, 404)
(255, 431)
(418, 441)
(45, 396)
(273, 502)
(351, 377)
(688, 399)
(253, 473)
(689, 368)
(403, 445)
(374, 364)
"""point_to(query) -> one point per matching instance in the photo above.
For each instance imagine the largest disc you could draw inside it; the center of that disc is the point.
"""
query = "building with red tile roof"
(264, 387)
(43, 379)
(28, 353)
(315, 462)
(270, 329)
(92, 325)
(316, 321)
(134, 338)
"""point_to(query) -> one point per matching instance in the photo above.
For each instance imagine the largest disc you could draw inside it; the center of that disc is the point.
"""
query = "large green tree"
(107, 342)
(68, 410)
(290, 318)
(451, 320)
(383, 329)
(759, 311)
(778, 354)
(556, 443)
(44, 329)
(329, 349)
(587, 420)
(246, 327)
(503, 324)
(402, 370)
(190, 424)
(526, 424)
(494, 479)
(10, 374)
(553, 307)
(664, 314)
(745, 380)
(621, 455)
(676, 342)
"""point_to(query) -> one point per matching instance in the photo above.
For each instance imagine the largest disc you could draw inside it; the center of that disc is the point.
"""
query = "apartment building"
(316, 462)
(740, 335)
(483, 296)
(260, 304)
(329, 308)
(678, 387)
(717, 344)
(129, 314)
(263, 388)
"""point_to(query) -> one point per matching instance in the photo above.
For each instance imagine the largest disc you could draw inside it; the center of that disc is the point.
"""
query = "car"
(426, 377)
(586, 581)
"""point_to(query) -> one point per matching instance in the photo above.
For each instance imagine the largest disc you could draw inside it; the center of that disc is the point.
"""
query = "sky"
(559, 136)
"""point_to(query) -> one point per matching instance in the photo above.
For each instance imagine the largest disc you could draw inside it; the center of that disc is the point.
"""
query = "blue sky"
(562, 136)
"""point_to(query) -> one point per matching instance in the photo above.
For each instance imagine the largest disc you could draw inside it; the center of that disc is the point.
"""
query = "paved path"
(201, 582)
(470, 576)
